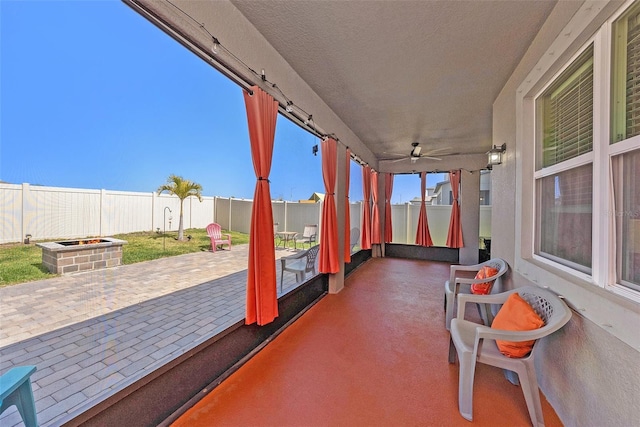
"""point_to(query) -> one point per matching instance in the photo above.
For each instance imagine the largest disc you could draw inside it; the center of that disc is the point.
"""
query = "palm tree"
(182, 188)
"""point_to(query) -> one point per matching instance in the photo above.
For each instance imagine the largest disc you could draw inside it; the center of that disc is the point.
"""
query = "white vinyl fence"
(404, 223)
(66, 213)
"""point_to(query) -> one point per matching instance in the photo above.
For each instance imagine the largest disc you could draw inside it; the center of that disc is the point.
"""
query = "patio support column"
(470, 216)
(336, 280)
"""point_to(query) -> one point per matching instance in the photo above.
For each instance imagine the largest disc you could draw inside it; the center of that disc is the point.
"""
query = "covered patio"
(458, 79)
(374, 354)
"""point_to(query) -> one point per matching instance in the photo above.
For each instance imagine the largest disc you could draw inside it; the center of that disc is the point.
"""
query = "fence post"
(215, 207)
(102, 195)
(285, 217)
(23, 223)
(230, 212)
(153, 209)
(407, 217)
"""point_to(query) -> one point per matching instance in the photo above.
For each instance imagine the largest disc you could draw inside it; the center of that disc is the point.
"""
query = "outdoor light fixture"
(495, 155)
(289, 107)
(216, 46)
(308, 119)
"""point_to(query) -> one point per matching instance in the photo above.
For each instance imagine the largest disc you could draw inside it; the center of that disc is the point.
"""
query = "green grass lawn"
(23, 263)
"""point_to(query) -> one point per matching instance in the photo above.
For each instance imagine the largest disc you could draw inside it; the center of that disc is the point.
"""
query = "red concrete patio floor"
(373, 355)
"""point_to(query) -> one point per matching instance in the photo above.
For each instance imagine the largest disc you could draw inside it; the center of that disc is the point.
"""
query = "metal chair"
(477, 343)
(15, 389)
(309, 236)
(457, 284)
(214, 231)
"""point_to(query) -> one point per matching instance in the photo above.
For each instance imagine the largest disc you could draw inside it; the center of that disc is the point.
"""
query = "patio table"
(285, 237)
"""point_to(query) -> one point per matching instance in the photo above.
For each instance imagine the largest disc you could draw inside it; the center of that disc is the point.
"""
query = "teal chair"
(15, 389)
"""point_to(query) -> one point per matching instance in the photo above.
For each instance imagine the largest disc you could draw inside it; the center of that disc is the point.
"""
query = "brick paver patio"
(91, 334)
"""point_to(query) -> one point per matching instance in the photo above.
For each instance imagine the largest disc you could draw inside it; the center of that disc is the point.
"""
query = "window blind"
(568, 115)
(633, 77)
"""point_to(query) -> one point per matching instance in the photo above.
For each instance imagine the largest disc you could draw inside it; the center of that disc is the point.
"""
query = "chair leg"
(450, 301)
(22, 397)
(452, 351)
(484, 311)
(529, 384)
(465, 385)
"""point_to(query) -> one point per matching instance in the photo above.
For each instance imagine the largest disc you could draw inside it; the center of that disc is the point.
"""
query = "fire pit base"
(71, 256)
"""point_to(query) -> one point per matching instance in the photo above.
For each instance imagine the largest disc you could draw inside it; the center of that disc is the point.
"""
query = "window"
(566, 109)
(565, 217)
(564, 178)
(625, 139)
(587, 160)
(626, 180)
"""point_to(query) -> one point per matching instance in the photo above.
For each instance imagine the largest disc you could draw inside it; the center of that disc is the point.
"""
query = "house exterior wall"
(588, 370)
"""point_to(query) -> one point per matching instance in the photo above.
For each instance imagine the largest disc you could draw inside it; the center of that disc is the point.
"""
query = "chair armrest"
(479, 299)
(456, 268)
(294, 256)
(13, 378)
(485, 332)
(475, 267)
(469, 281)
(228, 236)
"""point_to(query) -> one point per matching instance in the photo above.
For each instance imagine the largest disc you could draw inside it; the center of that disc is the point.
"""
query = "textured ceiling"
(402, 71)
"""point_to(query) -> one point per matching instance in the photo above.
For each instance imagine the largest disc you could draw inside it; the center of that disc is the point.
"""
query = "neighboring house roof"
(316, 197)
(427, 198)
(439, 185)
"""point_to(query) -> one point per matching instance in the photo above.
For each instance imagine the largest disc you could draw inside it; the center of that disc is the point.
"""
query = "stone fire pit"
(70, 256)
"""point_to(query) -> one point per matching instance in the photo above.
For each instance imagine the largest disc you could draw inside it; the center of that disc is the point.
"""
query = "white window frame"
(531, 265)
(581, 160)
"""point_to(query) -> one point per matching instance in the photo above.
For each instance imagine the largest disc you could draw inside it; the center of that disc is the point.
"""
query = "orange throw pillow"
(483, 288)
(516, 315)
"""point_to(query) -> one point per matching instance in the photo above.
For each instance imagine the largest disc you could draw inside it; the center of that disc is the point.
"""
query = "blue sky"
(95, 96)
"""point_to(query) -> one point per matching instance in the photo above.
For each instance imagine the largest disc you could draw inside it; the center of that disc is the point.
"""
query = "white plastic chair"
(300, 264)
(476, 343)
(456, 285)
(309, 236)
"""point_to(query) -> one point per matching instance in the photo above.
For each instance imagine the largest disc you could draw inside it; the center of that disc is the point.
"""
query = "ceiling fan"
(415, 154)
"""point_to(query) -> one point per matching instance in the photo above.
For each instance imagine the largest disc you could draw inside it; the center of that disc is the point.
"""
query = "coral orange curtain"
(262, 299)
(365, 238)
(375, 215)
(388, 188)
(329, 259)
(454, 237)
(347, 210)
(423, 237)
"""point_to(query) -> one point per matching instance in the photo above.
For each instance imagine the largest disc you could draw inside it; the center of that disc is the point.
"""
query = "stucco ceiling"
(402, 71)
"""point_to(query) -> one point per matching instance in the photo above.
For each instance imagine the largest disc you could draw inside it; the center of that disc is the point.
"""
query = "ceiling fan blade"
(394, 160)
